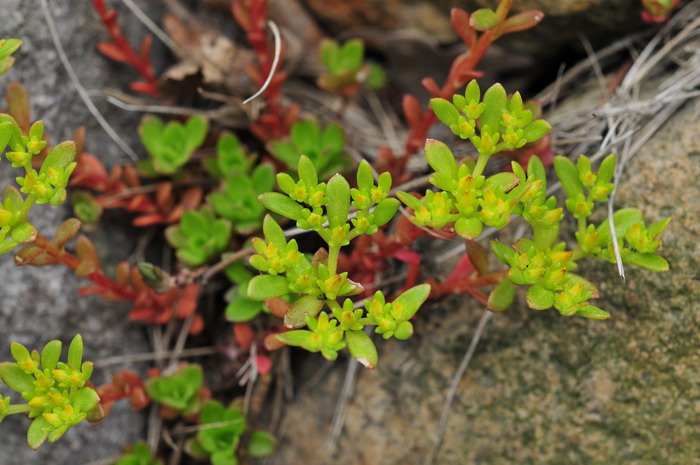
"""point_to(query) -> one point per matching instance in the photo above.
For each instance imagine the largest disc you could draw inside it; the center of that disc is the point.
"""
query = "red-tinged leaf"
(407, 256)
(139, 399)
(244, 335)
(122, 273)
(164, 194)
(263, 364)
(197, 325)
(522, 21)
(148, 220)
(272, 343)
(33, 256)
(111, 51)
(460, 23)
(242, 15)
(191, 198)
(412, 110)
(278, 306)
(67, 231)
(87, 253)
(187, 302)
(144, 88)
(140, 313)
(146, 47)
(85, 269)
(18, 104)
(431, 86)
(478, 256)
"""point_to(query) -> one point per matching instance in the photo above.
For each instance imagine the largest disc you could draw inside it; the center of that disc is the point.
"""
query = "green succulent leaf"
(60, 157)
(362, 348)
(261, 444)
(338, 195)
(38, 432)
(75, 352)
(303, 307)
(440, 158)
(16, 378)
(539, 298)
(412, 299)
(445, 111)
(502, 296)
(595, 313)
(281, 204)
(649, 261)
(483, 19)
(536, 130)
(568, 176)
(50, 354)
(265, 287)
(385, 211)
(496, 101)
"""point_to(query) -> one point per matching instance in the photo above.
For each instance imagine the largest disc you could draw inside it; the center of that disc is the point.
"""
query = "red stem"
(73, 262)
(142, 65)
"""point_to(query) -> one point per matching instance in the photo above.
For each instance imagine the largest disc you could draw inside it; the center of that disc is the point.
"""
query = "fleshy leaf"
(362, 348)
(413, 298)
(305, 306)
(649, 261)
(266, 287)
(502, 296)
(261, 444)
(539, 298)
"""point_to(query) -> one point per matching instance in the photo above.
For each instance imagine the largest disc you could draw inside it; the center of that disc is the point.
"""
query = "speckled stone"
(542, 388)
(39, 304)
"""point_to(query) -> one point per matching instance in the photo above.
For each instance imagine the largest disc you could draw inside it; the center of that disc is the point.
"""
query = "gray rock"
(39, 304)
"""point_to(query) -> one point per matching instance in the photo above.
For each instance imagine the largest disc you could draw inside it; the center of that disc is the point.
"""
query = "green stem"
(333, 255)
(545, 237)
(26, 206)
(480, 164)
(582, 225)
(335, 307)
(19, 408)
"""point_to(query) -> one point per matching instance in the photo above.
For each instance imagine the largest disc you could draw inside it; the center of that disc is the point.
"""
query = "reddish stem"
(73, 262)
(141, 64)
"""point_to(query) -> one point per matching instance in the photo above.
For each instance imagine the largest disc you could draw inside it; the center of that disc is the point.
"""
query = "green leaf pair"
(199, 237)
(345, 69)
(140, 454)
(170, 145)
(220, 432)
(241, 308)
(179, 392)
(323, 147)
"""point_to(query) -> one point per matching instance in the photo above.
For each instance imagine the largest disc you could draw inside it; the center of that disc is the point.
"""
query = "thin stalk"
(333, 255)
(480, 165)
(20, 408)
(73, 262)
